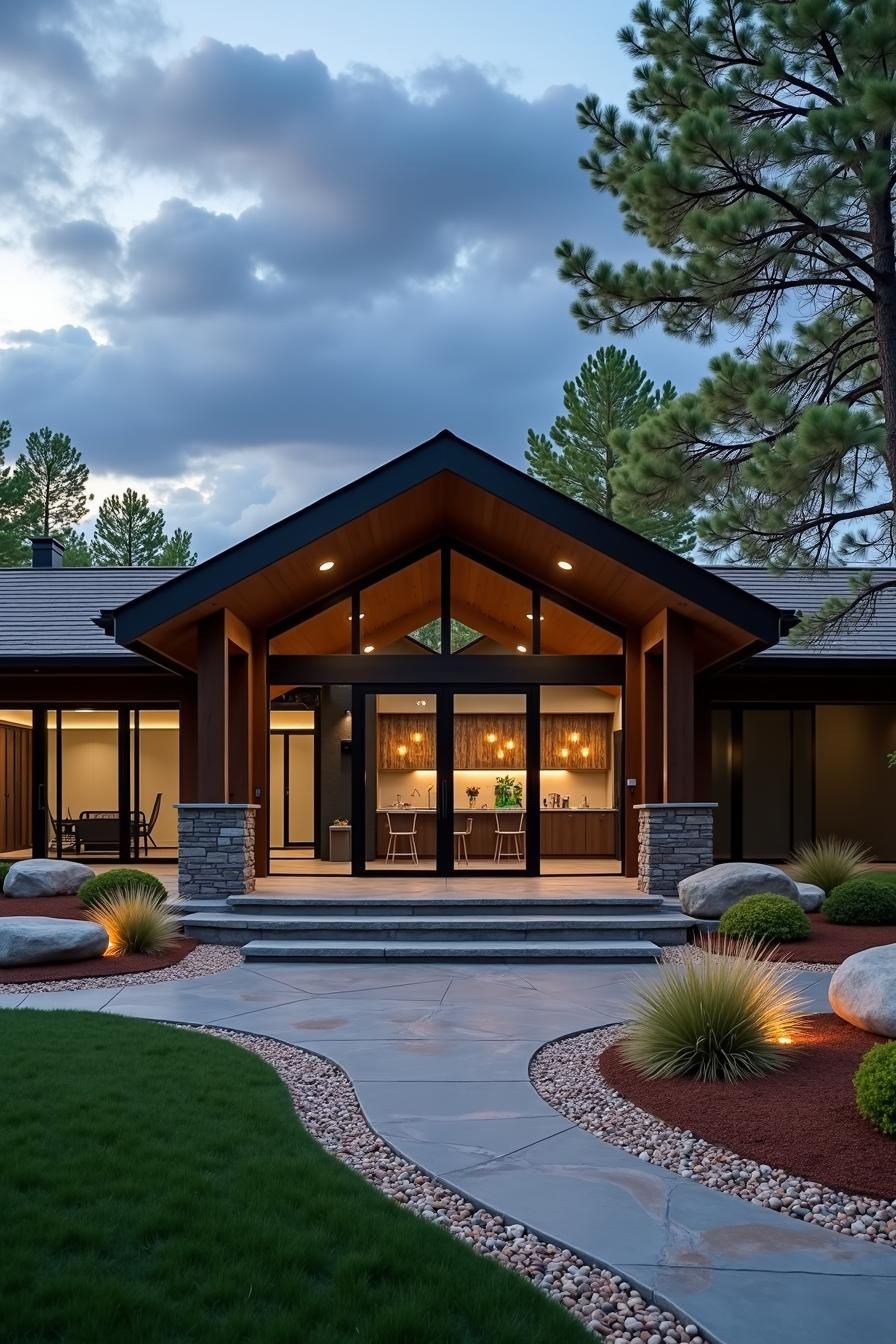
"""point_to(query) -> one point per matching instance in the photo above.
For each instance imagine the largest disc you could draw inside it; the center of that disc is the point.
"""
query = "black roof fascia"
(140, 664)
(446, 452)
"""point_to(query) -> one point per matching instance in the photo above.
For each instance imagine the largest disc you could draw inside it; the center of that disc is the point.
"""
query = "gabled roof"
(805, 590)
(446, 489)
(50, 614)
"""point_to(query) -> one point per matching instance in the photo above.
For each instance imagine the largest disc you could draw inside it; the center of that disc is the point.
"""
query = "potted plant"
(508, 792)
(472, 794)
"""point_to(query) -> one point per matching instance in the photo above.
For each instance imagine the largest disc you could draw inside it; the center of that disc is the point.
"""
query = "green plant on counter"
(508, 792)
(863, 900)
(720, 1017)
(875, 1087)
(828, 861)
(776, 918)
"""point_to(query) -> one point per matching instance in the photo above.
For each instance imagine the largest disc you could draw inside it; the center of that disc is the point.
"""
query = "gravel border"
(566, 1074)
(683, 952)
(325, 1103)
(206, 959)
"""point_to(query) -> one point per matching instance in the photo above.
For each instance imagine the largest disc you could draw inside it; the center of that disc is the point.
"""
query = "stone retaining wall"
(674, 840)
(216, 849)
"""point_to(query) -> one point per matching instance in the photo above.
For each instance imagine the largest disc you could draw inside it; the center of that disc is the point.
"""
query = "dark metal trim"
(286, 733)
(487, 670)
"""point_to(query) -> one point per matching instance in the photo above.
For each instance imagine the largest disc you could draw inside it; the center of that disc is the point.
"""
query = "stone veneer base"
(216, 849)
(674, 840)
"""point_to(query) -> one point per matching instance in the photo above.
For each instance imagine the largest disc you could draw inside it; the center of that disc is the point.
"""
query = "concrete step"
(396, 906)
(410, 950)
(195, 906)
(237, 928)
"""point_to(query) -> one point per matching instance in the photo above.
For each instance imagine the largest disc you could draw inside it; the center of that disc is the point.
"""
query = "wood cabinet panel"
(584, 738)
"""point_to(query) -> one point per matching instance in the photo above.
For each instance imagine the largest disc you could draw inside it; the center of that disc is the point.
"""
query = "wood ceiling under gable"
(446, 506)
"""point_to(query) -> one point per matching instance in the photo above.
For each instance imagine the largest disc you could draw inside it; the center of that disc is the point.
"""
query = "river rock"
(863, 990)
(27, 940)
(708, 894)
(46, 877)
(809, 896)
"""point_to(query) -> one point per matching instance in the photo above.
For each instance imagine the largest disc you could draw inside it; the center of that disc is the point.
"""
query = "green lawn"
(156, 1186)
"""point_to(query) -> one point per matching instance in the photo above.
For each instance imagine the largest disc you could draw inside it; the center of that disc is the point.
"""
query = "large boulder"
(707, 895)
(809, 896)
(28, 940)
(863, 990)
(46, 877)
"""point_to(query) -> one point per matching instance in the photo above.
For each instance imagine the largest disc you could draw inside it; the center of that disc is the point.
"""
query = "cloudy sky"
(249, 251)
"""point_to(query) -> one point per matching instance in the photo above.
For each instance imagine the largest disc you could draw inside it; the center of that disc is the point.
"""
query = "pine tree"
(77, 550)
(177, 550)
(759, 163)
(13, 546)
(53, 480)
(128, 532)
(610, 392)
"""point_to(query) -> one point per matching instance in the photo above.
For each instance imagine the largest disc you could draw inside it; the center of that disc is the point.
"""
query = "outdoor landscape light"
(563, 564)
(327, 564)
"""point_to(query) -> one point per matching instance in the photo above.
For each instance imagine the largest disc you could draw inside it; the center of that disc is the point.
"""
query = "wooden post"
(260, 737)
(212, 717)
(678, 710)
(186, 739)
(633, 719)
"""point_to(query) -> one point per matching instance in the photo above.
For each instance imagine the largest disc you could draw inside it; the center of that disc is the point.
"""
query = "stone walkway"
(439, 1058)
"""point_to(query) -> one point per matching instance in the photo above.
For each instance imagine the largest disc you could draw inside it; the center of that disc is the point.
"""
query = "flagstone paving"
(439, 1055)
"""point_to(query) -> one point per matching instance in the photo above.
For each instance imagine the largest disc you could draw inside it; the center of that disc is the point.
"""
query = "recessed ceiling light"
(563, 564)
(521, 648)
(327, 564)
(530, 617)
(360, 616)
(368, 648)
(421, 703)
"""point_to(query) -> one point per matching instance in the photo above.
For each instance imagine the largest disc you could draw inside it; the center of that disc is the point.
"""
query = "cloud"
(83, 244)
(392, 273)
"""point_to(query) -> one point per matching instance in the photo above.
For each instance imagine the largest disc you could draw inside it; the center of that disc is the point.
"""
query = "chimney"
(46, 553)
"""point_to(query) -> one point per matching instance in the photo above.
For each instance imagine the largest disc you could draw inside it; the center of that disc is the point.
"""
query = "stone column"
(216, 849)
(674, 840)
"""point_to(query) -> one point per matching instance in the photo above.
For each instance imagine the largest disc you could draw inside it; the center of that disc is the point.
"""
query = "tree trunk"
(880, 222)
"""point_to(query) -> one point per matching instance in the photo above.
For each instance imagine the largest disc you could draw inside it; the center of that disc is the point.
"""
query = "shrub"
(863, 900)
(134, 918)
(875, 1085)
(4, 869)
(105, 884)
(777, 919)
(828, 862)
(719, 1017)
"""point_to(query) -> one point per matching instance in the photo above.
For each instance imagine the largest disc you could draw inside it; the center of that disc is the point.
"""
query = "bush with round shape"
(862, 900)
(104, 884)
(777, 919)
(829, 861)
(4, 869)
(875, 1087)
(720, 1017)
(134, 919)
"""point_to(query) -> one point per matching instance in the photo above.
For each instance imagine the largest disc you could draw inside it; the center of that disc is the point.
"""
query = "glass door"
(493, 788)
(399, 767)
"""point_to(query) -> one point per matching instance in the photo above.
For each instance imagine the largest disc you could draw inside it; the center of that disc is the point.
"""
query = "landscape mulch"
(803, 1119)
(70, 907)
(833, 943)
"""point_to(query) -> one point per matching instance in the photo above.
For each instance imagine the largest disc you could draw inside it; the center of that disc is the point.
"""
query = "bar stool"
(460, 843)
(509, 838)
(402, 837)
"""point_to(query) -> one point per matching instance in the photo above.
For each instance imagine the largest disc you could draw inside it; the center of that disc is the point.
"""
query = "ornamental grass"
(720, 1017)
(134, 919)
(829, 861)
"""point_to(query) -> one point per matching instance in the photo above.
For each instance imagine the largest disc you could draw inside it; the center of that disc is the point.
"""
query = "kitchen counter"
(566, 832)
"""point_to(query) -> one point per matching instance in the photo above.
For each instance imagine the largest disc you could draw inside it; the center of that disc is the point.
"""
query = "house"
(468, 671)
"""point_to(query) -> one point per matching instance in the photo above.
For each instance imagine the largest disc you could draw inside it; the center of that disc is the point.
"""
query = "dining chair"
(509, 835)
(402, 837)
(460, 842)
(145, 826)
